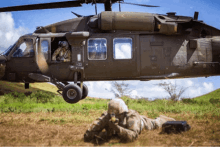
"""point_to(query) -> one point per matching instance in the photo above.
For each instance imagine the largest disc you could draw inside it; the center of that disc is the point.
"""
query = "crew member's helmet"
(117, 106)
(64, 44)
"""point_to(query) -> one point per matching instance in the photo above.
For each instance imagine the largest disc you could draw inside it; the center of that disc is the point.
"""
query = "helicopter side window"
(24, 49)
(44, 48)
(122, 48)
(97, 49)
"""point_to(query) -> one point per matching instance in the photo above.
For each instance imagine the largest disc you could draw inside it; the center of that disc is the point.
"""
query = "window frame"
(47, 45)
(106, 50)
(132, 56)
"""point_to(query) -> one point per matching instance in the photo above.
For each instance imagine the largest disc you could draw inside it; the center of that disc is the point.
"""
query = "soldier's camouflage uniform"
(130, 124)
(63, 53)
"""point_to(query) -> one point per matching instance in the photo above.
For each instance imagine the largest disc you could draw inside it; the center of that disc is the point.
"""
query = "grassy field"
(39, 116)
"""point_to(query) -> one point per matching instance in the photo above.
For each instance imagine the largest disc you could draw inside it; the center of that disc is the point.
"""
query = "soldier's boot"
(159, 121)
(167, 118)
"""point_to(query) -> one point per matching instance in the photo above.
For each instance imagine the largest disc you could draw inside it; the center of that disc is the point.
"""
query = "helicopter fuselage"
(145, 52)
(116, 46)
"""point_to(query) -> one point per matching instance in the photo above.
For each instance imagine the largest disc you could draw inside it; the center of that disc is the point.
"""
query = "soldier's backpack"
(175, 127)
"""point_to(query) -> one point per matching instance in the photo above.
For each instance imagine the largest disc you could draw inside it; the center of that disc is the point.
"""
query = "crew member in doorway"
(62, 53)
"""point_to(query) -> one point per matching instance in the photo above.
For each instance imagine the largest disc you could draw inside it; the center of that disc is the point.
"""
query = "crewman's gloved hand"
(88, 136)
(61, 59)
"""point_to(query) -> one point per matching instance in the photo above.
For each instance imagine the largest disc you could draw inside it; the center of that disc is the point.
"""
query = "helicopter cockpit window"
(24, 49)
(6, 52)
(97, 49)
(122, 48)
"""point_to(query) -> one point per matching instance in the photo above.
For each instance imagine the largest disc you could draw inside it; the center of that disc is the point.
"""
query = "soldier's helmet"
(64, 44)
(117, 106)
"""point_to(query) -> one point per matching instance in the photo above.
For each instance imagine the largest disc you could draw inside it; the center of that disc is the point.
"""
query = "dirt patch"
(67, 129)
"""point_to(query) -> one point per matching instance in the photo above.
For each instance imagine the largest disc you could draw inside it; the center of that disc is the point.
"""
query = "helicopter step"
(72, 93)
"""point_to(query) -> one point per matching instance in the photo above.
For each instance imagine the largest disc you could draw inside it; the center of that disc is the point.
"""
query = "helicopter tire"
(85, 91)
(72, 93)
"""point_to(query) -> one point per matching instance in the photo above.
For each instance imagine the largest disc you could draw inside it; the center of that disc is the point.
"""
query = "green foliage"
(127, 100)
(214, 101)
(189, 101)
(45, 97)
(41, 101)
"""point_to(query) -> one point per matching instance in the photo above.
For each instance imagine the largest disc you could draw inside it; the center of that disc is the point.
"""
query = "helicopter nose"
(2, 66)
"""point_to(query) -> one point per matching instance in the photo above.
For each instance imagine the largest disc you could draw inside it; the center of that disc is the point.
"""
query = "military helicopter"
(111, 46)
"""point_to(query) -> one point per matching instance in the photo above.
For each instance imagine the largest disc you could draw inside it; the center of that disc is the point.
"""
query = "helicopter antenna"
(143, 5)
(196, 15)
(76, 14)
(119, 6)
(96, 8)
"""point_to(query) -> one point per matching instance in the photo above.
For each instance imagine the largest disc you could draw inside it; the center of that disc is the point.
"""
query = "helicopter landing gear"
(85, 91)
(83, 87)
(72, 93)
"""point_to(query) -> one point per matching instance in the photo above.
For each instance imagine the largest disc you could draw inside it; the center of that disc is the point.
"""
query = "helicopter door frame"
(126, 68)
(96, 66)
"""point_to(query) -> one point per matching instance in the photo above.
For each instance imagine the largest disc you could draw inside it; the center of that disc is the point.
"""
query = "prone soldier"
(123, 122)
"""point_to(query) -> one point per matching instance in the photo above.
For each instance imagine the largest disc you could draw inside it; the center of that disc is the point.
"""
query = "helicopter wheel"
(72, 93)
(85, 91)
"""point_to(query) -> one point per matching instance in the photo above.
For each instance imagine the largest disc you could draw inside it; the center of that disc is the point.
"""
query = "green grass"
(195, 106)
(42, 101)
(202, 113)
(49, 101)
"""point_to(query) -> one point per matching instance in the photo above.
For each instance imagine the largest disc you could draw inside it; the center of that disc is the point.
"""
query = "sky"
(15, 24)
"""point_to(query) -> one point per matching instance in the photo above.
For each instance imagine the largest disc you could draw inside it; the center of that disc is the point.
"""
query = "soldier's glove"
(114, 125)
(88, 136)
(62, 59)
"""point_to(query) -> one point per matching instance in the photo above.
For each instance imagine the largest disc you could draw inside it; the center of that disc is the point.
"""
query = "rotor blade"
(64, 4)
(140, 4)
